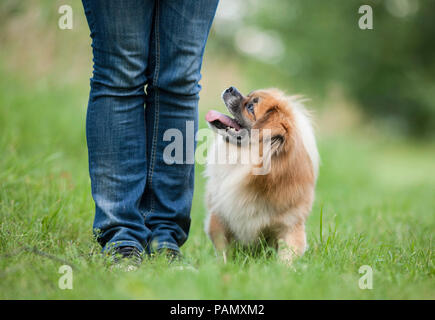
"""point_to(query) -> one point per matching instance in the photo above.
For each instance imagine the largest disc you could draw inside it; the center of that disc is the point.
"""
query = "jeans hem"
(167, 245)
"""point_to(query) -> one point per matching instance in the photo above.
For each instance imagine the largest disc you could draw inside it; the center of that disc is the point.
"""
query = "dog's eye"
(255, 100)
(250, 108)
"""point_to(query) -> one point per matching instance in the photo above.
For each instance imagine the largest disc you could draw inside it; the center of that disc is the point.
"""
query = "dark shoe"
(171, 255)
(128, 254)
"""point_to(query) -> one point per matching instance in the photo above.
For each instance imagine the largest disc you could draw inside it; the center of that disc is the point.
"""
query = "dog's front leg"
(219, 235)
(291, 243)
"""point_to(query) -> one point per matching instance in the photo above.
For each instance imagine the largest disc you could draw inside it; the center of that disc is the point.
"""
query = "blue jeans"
(140, 200)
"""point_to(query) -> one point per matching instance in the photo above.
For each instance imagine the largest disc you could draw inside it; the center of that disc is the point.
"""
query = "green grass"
(374, 206)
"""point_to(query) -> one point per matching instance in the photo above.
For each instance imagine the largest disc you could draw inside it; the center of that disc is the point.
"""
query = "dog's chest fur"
(245, 213)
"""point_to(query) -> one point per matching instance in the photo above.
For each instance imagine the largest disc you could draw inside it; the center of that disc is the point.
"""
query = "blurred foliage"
(388, 71)
(302, 46)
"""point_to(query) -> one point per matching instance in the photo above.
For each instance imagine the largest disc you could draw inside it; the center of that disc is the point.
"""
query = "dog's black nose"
(232, 92)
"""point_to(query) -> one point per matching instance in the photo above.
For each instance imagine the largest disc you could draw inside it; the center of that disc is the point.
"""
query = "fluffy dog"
(243, 205)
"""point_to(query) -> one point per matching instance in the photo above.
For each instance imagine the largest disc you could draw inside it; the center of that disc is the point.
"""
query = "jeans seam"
(156, 105)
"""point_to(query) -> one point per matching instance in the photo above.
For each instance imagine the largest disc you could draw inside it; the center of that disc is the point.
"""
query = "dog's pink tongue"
(214, 115)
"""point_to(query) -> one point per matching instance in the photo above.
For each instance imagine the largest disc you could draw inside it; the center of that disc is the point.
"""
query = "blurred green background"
(303, 46)
(316, 47)
(372, 94)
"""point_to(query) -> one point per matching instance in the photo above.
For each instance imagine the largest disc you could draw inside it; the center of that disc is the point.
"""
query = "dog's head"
(260, 109)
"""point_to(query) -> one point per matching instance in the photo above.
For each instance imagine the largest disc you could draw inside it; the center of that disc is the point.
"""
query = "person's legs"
(115, 125)
(179, 36)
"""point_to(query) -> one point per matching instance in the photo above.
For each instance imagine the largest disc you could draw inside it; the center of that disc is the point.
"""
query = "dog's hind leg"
(219, 235)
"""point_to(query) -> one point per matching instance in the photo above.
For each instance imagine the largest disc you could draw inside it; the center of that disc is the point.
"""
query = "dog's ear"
(277, 143)
(276, 127)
